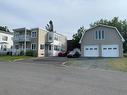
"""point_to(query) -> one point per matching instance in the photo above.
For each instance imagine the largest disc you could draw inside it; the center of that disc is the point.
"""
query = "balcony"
(22, 38)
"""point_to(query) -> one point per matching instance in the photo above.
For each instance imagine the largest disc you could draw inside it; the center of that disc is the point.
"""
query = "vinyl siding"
(110, 37)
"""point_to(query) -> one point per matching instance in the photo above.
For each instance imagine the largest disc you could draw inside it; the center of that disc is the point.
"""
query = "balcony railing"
(22, 38)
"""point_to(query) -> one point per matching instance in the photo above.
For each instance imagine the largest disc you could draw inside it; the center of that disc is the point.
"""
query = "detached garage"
(102, 41)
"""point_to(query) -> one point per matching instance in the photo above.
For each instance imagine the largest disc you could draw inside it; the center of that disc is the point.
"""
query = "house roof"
(1, 31)
(103, 26)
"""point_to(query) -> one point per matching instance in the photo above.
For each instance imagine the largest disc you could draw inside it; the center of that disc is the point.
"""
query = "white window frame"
(50, 36)
(35, 45)
(34, 35)
(100, 35)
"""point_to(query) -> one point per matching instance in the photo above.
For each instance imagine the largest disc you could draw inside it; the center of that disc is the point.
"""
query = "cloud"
(67, 15)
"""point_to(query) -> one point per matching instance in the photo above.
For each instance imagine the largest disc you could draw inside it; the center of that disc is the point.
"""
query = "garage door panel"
(110, 51)
(91, 51)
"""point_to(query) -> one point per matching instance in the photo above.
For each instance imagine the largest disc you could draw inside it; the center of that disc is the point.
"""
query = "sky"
(67, 15)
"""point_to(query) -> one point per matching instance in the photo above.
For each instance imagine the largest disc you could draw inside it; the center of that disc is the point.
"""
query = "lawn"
(119, 64)
(13, 58)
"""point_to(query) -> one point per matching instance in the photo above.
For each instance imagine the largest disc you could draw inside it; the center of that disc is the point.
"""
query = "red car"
(62, 54)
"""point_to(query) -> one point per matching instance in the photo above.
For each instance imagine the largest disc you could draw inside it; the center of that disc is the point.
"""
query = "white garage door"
(91, 51)
(110, 51)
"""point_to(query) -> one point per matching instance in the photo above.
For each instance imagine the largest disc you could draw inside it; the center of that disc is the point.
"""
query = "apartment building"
(45, 43)
(56, 43)
(6, 40)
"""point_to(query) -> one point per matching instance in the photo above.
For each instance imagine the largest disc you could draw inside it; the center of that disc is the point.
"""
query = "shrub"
(22, 53)
(9, 53)
(31, 53)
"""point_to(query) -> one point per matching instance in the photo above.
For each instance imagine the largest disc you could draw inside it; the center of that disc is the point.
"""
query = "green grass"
(13, 58)
(119, 64)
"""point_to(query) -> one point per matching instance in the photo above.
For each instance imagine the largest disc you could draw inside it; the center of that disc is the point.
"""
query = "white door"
(91, 51)
(110, 51)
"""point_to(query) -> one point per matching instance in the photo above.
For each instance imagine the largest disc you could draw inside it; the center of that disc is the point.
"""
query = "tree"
(76, 37)
(4, 29)
(121, 25)
(49, 26)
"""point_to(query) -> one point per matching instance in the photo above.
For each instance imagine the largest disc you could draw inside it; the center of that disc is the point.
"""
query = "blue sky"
(67, 15)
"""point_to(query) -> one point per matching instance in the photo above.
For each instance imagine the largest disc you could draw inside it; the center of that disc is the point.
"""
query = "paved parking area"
(45, 79)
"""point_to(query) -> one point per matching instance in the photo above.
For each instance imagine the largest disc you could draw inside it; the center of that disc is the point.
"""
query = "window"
(56, 47)
(56, 37)
(114, 48)
(33, 46)
(50, 47)
(50, 38)
(100, 35)
(34, 34)
(95, 48)
(42, 46)
(17, 46)
(4, 47)
(87, 49)
(96, 35)
(91, 48)
(4, 38)
(104, 48)
(109, 48)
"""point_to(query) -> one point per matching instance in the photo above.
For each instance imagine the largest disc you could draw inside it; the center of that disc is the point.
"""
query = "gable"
(101, 27)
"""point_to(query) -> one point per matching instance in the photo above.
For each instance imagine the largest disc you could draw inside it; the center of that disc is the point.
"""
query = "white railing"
(22, 38)
(18, 51)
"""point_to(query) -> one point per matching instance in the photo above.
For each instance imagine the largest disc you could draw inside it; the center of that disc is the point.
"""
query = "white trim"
(91, 51)
(35, 36)
(110, 53)
(35, 48)
(103, 26)
(99, 37)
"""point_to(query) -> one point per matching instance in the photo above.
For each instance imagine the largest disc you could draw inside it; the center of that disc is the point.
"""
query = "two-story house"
(6, 40)
(29, 39)
(56, 42)
(43, 42)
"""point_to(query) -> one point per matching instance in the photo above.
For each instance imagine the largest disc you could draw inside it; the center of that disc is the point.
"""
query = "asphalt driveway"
(45, 79)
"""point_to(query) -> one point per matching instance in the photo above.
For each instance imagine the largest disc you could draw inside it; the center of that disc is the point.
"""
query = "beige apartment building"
(45, 43)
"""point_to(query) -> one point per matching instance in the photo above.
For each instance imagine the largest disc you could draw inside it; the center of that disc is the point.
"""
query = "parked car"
(74, 54)
(62, 54)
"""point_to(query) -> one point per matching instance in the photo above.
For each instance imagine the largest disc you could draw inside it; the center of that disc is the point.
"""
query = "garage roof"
(103, 26)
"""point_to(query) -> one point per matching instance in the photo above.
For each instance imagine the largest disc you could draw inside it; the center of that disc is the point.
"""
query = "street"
(47, 79)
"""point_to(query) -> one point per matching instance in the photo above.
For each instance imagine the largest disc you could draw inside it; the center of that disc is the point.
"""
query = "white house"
(56, 43)
(6, 40)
